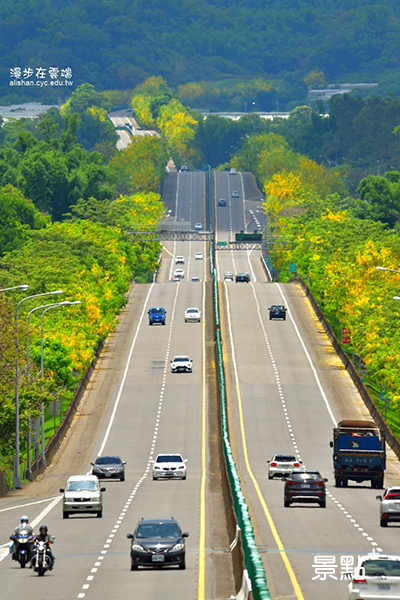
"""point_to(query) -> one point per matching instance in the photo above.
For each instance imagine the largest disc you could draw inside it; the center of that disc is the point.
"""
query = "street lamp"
(386, 269)
(17, 479)
(28, 374)
(50, 307)
(17, 287)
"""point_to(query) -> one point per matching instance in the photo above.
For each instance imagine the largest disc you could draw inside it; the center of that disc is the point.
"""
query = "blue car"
(157, 315)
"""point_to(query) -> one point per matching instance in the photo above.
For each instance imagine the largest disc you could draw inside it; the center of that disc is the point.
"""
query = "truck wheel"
(150, 323)
(287, 503)
(345, 482)
(338, 482)
(323, 504)
(383, 522)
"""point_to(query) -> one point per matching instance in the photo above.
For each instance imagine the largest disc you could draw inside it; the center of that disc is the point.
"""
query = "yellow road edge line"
(289, 568)
(202, 537)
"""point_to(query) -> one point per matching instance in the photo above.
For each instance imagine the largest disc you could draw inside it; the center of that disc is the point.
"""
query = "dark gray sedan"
(109, 467)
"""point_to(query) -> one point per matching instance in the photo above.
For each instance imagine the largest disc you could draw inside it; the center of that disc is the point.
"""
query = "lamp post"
(50, 307)
(386, 269)
(17, 287)
(28, 375)
(17, 479)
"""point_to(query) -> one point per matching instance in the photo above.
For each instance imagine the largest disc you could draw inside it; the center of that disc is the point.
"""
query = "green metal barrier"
(252, 556)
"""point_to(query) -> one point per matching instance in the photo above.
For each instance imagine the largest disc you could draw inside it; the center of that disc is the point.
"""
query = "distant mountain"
(118, 43)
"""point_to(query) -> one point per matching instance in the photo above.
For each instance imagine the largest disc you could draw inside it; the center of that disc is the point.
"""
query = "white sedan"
(169, 466)
(192, 315)
(180, 260)
(198, 226)
(198, 256)
(179, 273)
(181, 364)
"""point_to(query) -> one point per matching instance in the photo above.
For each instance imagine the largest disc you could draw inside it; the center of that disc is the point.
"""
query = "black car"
(305, 486)
(110, 467)
(277, 311)
(157, 543)
(245, 277)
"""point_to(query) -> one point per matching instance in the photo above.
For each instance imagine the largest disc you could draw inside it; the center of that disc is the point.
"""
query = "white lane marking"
(114, 412)
(18, 506)
(132, 494)
(308, 358)
(329, 494)
(176, 219)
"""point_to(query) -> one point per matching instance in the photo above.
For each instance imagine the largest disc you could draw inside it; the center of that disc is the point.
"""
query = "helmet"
(24, 519)
(43, 529)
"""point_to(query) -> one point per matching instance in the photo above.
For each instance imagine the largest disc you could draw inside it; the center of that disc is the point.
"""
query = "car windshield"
(306, 477)
(181, 359)
(192, 310)
(80, 486)
(387, 567)
(278, 307)
(152, 530)
(169, 458)
(157, 311)
(285, 458)
(108, 460)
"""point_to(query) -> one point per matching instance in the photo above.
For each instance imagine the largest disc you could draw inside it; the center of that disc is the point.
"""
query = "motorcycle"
(24, 540)
(41, 561)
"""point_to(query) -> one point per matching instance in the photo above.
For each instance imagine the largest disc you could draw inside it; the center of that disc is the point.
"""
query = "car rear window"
(306, 476)
(157, 311)
(389, 568)
(285, 458)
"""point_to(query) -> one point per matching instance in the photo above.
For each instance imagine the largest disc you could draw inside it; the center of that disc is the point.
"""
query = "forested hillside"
(118, 44)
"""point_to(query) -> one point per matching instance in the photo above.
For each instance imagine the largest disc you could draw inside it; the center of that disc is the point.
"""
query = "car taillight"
(359, 580)
(384, 515)
(296, 464)
(319, 483)
(273, 464)
(290, 482)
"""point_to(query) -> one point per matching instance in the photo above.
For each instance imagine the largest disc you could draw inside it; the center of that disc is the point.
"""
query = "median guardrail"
(252, 556)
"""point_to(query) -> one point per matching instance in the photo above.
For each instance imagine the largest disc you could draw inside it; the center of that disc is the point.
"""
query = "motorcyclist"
(45, 537)
(24, 525)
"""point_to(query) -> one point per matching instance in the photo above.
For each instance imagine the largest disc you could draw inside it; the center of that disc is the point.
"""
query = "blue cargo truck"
(359, 453)
(157, 315)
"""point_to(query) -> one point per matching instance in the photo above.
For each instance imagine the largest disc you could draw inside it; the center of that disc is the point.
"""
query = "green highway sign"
(248, 237)
(222, 243)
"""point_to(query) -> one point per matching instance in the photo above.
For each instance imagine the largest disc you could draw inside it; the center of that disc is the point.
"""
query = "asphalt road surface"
(286, 389)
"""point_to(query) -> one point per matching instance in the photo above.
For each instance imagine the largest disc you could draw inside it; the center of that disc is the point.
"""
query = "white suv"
(82, 494)
(376, 576)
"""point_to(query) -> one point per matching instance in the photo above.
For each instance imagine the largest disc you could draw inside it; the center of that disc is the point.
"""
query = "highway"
(286, 389)
(147, 410)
